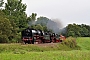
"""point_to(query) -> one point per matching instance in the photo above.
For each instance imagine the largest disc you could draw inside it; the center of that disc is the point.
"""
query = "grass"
(57, 52)
(84, 43)
(48, 55)
(31, 48)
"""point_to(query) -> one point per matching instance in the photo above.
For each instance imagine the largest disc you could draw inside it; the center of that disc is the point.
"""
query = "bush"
(18, 37)
(13, 41)
(70, 42)
(4, 39)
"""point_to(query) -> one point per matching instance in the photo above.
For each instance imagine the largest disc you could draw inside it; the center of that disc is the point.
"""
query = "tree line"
(13, 19)
(76, 30)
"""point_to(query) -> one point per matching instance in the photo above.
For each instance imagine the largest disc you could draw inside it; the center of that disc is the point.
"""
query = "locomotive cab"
(27, 36)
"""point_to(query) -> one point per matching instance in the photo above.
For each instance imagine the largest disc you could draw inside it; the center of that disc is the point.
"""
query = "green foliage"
(1, 3)
(70, 42)
(85, 30)
(71, 33)
(32, 17)
(5, 28)
(78, 30)
(16, 18)
(4, 39)
(16, 9)
(45, 28)
(39, 27)
(42, 21)
(18, 37)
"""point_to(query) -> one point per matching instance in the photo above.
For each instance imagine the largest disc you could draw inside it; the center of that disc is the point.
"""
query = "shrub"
(18, 37)
(4, 39)
(70, 42)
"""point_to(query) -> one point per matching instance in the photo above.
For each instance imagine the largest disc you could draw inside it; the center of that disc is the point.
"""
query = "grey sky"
(67, 11)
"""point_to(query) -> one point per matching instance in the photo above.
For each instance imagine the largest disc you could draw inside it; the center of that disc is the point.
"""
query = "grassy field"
(48, 55)
(34, 52)
(84, 43)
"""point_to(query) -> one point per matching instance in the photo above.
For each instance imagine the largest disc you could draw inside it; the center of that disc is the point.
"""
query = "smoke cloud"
(31, 23)
(52, 24)
(55, 25)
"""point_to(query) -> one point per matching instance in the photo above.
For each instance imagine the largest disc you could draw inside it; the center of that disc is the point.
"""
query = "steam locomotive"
(31, 36)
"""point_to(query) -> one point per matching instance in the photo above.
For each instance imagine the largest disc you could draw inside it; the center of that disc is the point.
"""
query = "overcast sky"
(67, 11)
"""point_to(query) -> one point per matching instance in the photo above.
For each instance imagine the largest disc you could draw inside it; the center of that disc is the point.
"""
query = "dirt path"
(46, 44)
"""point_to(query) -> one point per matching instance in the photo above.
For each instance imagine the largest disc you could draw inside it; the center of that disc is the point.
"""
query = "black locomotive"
(32, 36)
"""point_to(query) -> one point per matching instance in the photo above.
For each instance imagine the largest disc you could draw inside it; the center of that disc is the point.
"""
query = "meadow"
(56, 52)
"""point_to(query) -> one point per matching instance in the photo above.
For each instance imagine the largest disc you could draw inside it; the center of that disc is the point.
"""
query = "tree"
(16, 9)
(32, 17)
(45, 28)
(42, 20)
(15, 13)
(69, 28)
(39, 22)
(5, 28)
(1, 3)
(78, 30)
(73, 29)
(71, 33)
(87, 28)
(84, 30)
(38, 26)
